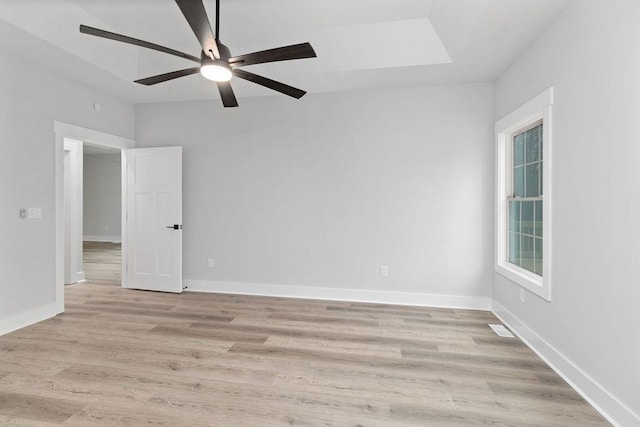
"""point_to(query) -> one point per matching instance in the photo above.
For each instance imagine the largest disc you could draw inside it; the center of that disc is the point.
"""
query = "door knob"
(175, 226)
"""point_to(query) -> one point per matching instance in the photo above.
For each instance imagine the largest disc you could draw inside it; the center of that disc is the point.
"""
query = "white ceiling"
(361, 44)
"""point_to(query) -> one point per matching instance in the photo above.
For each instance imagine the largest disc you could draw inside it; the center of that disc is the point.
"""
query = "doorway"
(70, 144)
(102, 214)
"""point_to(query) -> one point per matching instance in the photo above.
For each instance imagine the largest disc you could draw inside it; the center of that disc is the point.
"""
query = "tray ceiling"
(361, 44)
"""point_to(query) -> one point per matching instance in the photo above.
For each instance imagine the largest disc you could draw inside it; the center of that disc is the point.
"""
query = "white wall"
(591, 55)
(321, 192)
(30, 100)
(102, 197)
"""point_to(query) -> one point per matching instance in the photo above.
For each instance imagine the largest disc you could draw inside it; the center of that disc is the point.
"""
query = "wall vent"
(501, 331)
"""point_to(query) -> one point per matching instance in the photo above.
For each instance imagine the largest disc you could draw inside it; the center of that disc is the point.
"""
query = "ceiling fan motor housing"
(225, 53)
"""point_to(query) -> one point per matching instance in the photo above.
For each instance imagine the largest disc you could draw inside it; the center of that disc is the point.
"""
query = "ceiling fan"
(216, 62)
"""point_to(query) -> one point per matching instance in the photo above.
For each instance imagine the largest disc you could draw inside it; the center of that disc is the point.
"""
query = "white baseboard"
(110, 239)
(339, 294)
(616, 412)
(13, 323)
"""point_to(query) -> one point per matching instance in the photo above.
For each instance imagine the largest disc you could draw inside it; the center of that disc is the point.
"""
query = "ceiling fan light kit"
(216, 62)
(216, 70)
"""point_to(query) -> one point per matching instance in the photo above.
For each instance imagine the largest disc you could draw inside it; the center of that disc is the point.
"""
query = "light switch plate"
(34, 213)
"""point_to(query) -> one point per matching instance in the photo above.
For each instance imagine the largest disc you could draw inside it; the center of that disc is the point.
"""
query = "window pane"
(518, 181)
(514, 216)
(527, 253)
(532, 150)
(532, 178)
(528, 217)
(537, 266)
(518, 150)
(540, 188)
(514, 248)
(538, 213)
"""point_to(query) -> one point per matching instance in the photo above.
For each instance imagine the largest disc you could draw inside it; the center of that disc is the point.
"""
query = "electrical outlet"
(384, 271)
(210, 262)
(522, 294)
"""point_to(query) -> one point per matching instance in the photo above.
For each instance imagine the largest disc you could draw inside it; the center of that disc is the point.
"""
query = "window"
(523, 220)
(524, 200)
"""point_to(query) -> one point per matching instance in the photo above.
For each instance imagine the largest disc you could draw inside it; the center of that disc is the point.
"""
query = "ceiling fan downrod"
(217, 20)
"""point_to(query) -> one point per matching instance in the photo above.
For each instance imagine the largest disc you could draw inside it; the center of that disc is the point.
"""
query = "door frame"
(61, 131)
(73, 210)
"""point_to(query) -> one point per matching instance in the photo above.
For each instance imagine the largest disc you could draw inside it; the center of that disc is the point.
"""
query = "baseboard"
(80, 277)
(339, 294)
(13, 323)
(616, 412)
(109, 239)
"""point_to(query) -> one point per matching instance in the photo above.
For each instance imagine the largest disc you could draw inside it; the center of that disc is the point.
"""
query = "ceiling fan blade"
(168, 76)
(284, 53)
(130, 40)
(196, 15)
(271, 84)
(227, 95)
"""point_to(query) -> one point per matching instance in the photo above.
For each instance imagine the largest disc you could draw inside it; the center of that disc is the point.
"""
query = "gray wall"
(592, 56)
(30, 100)
(321, 192)
(102, 197)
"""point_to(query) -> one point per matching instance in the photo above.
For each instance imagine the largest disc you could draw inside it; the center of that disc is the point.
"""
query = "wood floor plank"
(271, 327)
(11, 362)
(362, 350)
(37, 408)
(68, 388)
(444, 369)
(502, 361)
(11, 421)
(324, 319)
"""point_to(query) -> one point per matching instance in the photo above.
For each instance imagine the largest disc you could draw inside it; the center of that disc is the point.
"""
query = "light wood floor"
(102, 262)
(124, 357)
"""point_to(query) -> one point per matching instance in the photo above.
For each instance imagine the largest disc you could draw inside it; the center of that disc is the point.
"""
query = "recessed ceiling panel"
(380, 45)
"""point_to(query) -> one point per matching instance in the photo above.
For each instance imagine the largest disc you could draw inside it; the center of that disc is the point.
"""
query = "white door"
(154, 219)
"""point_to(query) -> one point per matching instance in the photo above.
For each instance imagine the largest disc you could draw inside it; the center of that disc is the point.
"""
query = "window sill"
(530, 281)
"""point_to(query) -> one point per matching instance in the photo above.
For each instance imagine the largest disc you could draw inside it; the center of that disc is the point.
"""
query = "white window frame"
(539, 108)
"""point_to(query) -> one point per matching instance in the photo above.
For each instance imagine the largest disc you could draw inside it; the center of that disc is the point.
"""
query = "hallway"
(102, 263)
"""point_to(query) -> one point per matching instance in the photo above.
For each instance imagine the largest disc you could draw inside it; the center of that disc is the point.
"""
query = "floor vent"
(501, 331)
